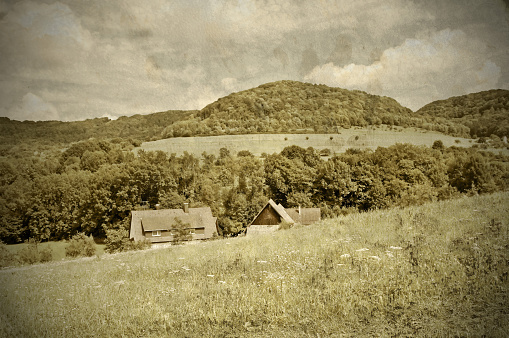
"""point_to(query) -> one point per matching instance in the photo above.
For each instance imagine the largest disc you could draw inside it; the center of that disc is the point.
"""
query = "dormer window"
(156, 233)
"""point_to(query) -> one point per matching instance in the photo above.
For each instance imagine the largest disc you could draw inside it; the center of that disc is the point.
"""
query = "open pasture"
(57, 248)
(435, 270)
(257, 144)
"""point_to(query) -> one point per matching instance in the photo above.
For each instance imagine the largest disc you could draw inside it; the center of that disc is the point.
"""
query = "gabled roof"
(304, 216)
(152, 220)
(279, 209)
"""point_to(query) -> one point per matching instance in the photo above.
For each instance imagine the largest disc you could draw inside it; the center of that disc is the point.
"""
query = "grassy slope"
(340, 276)
(270, 143)
(57, 248)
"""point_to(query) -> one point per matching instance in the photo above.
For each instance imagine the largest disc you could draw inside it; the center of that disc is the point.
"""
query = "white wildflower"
(345, 256)
(261, 262)
(395, 247)
(375, 257)
(363, 249)
(210, 275)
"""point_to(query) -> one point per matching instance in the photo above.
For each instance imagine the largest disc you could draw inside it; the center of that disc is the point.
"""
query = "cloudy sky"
(77, 59)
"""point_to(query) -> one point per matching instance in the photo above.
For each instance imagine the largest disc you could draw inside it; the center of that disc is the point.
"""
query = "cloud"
(89, 58)
(444, 64)
(34, 108)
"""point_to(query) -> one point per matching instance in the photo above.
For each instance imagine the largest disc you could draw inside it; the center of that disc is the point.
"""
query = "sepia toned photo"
(254, 168)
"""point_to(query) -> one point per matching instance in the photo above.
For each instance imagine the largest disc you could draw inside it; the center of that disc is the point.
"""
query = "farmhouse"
(157, 225)
(272, 214)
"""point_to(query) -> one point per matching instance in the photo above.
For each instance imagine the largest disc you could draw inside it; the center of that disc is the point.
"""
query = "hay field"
(274, 143)
(435, 270)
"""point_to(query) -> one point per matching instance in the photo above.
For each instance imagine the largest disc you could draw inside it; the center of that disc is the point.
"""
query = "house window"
(156, 233)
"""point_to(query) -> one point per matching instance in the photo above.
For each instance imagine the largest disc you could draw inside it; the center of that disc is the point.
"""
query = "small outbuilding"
(158, 226)
(272, 214)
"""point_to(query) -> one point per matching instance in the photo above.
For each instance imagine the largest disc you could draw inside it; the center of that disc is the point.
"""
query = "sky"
(73, 60)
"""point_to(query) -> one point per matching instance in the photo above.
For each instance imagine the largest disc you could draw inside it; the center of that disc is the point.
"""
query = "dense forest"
(484, 113)
(93, 185)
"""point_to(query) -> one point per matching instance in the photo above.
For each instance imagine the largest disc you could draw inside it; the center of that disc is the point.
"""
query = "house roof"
(279, 209)
(304, 216)
(152, 220)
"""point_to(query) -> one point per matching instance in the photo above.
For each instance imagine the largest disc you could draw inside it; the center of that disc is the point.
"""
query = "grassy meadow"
(57, 248)
(274, 143)
(439, 269)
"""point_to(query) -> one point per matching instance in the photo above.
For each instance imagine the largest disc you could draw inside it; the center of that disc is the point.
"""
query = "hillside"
(484, 113)
(141, 127)
(435, 270)
(276, 107)
(291, 106)
(336, 143)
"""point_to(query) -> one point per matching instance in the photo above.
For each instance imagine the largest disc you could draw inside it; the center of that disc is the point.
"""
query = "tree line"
(92, 186)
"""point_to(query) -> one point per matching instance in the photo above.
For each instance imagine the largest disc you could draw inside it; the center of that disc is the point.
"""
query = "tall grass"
(435, 270)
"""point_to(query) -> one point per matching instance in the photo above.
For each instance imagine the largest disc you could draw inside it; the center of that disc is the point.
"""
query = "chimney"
(158, 206)
(186, 208)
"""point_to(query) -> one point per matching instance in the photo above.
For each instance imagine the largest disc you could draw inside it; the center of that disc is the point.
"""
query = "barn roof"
(279, 209)
(152, 220)
(305, 216)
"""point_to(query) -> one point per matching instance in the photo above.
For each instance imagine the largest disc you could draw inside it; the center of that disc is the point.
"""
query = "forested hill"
(276, 107)
(141, 127)
(484, 113)
(291, 106)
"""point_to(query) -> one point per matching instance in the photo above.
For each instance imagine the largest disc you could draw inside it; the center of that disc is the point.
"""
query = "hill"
(140, 127)
(435, 270)
(291, 106)
(484, 113)
(276, 107)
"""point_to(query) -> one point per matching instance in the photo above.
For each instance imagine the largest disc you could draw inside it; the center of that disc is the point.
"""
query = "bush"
(29, 254)
(46, 255)
(80, 245)
(438, 145)
(181, 232)
(118, 241)
(6, 257)
(284, 225)
(140, 245)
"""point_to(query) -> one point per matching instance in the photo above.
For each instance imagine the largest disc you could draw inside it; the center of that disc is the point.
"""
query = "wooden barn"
(157, 225)
(272, 214)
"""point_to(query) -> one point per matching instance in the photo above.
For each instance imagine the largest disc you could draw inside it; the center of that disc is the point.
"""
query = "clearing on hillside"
(257, 144)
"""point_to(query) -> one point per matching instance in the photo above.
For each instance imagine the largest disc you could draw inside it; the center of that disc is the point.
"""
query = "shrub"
(140, 245)
(46, 255)
(284, 225)
(29, 254)
(438, 145)
(6, 257)
(80, 245)
(181, 232)
(117, 241)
